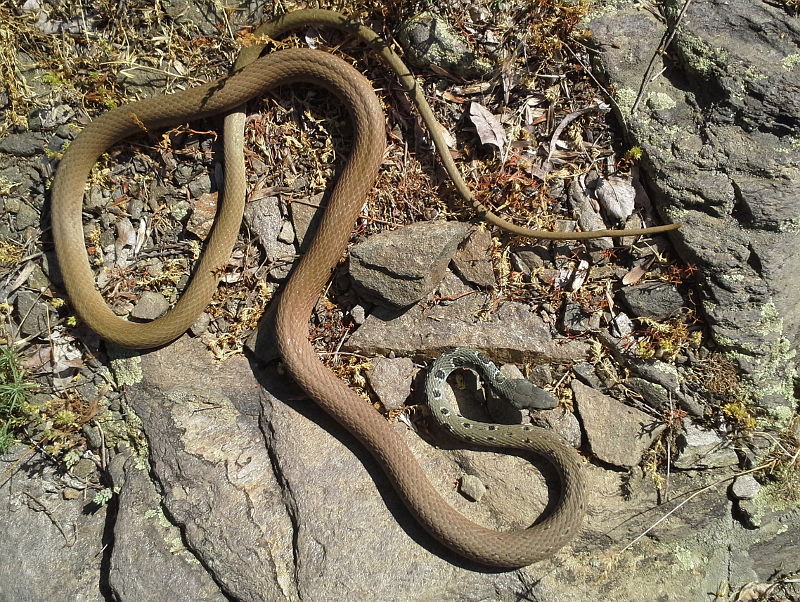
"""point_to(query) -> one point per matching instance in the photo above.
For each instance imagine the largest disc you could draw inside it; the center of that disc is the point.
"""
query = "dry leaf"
(124, 243)
(616, 197)
(489, 129)
(473, 88)
(638, 271)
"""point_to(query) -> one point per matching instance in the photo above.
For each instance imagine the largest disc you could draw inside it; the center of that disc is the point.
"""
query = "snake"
(561, 525)
(253, 75)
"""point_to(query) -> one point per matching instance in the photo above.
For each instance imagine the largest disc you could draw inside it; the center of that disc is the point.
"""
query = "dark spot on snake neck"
(437, 394)
(492, 427)
(483, 359)
(527, 440)
(490, 438)
(466, 425)
(440, 374)
(526, 428)
(444, 411)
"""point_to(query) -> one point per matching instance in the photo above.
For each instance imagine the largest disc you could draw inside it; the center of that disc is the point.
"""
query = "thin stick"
(691, 497)
(666, 40)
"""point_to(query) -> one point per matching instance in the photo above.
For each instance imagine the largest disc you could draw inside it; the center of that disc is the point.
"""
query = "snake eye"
(440, 374)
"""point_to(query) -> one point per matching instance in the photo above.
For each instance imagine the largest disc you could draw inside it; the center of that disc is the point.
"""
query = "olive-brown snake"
(254, 76)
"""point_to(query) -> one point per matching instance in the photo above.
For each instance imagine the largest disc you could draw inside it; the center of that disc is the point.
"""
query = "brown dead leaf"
(638, 271)
(489, 128)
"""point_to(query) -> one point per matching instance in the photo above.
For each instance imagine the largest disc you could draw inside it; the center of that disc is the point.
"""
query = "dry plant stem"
(690, 498)
(666, 40)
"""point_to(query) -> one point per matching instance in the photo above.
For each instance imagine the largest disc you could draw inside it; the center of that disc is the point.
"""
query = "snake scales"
(252, 77)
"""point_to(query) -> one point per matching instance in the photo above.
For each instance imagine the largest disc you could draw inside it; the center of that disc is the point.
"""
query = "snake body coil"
(253, 77)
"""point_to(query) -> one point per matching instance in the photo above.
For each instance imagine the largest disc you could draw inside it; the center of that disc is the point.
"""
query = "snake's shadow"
(279, 386)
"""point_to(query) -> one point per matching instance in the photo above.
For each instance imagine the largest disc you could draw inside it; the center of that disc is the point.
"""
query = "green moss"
(660, 101)
(791, 61)
(686, 558)
(126, 365)
(700, 57)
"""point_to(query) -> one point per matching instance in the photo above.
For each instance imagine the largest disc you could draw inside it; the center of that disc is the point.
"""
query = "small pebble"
(70, 494)
(745, 487)
(150, 306)
(471, 487)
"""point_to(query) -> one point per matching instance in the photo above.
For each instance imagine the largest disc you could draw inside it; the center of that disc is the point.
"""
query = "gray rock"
(50, 118)
(716, 131)
(201, 15)
(142, 82)
(655, 300)
(33, 314)
(655, 396)
(264, 217)
(215, 474)
(151, 305)
(473, 259)
(514, 334)
(289, 511)
(745, 487)
(431, 42)
(576, 320)
(617, 434)
(588, 217)
(142, 530)
(621, 326)
(37, 280)
(306, 214)
(23, 145)
(391, 379)
(585, 372)
(471, 487)
(54, 548)
(666, 375)
(526, 259)
(200, 324)
(401, 267)
(200, 185)
(702, 448)
(26, 217)
(563, 423)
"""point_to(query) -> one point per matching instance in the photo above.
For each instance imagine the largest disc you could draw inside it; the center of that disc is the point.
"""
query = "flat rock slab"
(297, 509)
(143, 531)
(617, 434)
(53, 548)
(513, 334)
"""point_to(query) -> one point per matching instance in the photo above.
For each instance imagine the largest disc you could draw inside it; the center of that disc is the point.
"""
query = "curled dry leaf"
(638, 271)
(124, 243)
(616, 197)
(489, 128)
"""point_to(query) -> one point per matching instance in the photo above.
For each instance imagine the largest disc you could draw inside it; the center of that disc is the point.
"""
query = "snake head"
(522, 393)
